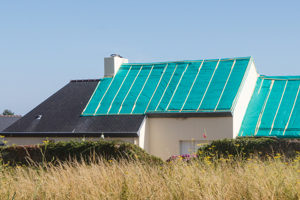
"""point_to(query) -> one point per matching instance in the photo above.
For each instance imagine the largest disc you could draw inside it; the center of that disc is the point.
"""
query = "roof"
(7, 120)
(182, 86)
(59, 115)
(274, 109)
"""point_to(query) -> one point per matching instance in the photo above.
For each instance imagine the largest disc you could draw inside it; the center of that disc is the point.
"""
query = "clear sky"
(45, 44)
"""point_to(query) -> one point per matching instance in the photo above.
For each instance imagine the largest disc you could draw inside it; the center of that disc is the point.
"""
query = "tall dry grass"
(252, 179)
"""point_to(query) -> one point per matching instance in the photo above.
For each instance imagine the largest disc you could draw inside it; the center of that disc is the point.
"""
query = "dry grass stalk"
(252, 179)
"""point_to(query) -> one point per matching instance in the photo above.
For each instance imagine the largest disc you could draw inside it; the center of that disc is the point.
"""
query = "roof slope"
(187, 86)
(274, 109)
(7, 120)
(60, 113)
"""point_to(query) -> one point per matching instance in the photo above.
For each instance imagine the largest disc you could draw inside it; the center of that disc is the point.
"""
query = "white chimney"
(112, 64)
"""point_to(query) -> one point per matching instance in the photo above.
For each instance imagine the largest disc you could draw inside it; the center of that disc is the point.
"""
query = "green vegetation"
(86, 151)
(7, 112)
(246, 147)
(118, 170)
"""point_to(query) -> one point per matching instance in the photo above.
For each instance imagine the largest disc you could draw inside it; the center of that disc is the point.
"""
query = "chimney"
(112, 64)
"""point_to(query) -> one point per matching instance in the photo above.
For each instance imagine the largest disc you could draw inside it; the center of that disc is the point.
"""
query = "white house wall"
(144, 135)
(165, 134)
(244, 97)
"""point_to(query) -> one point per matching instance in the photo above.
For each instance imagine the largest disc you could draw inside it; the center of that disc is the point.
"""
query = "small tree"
(7, 112)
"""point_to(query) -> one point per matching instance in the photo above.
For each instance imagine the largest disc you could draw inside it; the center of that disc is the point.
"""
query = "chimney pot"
(112, 64)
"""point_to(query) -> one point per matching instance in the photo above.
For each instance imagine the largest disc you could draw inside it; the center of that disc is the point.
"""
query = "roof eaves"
(189, 114)
(69, 134)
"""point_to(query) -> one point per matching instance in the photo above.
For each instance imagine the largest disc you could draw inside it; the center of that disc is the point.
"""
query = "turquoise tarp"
(274, 108)
(185, 86)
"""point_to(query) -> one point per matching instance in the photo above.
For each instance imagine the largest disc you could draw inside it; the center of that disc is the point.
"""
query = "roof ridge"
(85, 80)
(185, 61)
(294, 78)
(10, 115)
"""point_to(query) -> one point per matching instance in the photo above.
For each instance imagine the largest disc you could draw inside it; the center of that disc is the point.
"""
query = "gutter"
(188, 114)
(69, 134)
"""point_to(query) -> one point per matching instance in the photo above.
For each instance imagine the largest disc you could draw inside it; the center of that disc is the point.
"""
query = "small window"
(38, 117)
(191, 146)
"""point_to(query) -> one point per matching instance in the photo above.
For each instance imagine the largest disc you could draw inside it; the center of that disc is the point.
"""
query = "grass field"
(251, 179)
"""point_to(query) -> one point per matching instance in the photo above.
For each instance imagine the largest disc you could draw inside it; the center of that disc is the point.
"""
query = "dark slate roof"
(60, 116)
(7, 120)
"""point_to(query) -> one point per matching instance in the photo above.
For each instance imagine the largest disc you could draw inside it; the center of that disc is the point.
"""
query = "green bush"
(87, 151)
(245, 147)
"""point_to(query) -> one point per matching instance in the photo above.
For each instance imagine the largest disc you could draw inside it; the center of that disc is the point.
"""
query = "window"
(191, 146)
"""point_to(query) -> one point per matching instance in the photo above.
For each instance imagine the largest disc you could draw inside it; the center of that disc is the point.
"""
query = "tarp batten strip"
(166, 88)
(208, 84)
(278, 108)
(129, 89)
(233, 64)
(103, 96)
(199, 69)
(91, 97)
(260, 86)
(263, 108)
(119, 89)
(177, 86)
(141, 90)
(287, 124)
(156, 87)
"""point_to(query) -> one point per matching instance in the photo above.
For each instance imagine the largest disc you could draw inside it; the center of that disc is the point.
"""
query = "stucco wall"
(39, 140)
(244, 97)
(165, 134)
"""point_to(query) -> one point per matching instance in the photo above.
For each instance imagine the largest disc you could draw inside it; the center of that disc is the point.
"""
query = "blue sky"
(45, 44)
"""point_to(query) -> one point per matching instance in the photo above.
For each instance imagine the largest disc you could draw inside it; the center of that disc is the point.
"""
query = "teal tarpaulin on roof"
(185, 86)
(274, 109)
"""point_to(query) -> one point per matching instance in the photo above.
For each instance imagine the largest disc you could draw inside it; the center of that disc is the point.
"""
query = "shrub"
(184, 157)
(81, 151)
(245, 147)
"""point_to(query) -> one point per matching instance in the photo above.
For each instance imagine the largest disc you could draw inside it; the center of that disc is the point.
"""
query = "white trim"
(166, 87)
(278, 108)
(141, 90)
(260, 86)
(199, 69)
(242, 133)
(177, 86)
(92, 96)
(263, 109)
(99, 104)
(233, 64)
(157, 86)
(208, 84)
(130, 89)
(118, 90)
(242, 84)
(291, 111)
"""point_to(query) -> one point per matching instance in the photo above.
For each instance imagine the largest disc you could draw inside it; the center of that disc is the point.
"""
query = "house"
(166, 108)
(6, 121)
